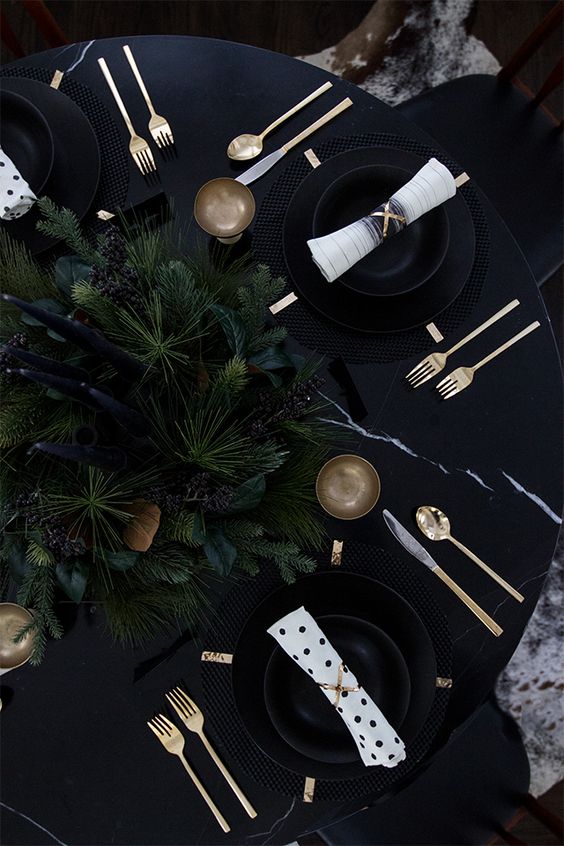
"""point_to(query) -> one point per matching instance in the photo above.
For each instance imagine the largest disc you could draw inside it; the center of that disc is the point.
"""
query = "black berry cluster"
(292, 406)
(171, 495)
(219, 501)
(54, 535)
(56, 539)
(17, 341)
(116, 279)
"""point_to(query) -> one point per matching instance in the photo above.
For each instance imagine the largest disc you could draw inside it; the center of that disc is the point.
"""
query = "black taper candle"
(48, 365)
(71, 388)
(87, 339)
(71, 330)
(105, 458)
(130, 418)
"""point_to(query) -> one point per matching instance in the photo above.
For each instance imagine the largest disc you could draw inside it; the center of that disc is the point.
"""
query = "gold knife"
(418, 551)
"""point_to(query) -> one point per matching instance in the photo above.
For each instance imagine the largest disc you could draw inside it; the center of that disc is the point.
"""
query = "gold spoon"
(248, 146)
(436, 526)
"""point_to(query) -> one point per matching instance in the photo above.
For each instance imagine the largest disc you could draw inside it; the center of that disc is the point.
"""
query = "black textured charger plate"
(26, 138)
(448, 248)
(73, 181)
(368, 603)
(114, 171)
(221, 710)
(316, 332)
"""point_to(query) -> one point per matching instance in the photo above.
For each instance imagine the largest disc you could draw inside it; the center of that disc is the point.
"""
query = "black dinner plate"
(73, 181)
(307, 721)
(26, 138)
(352, 309)
(401, 263)
(329, 594)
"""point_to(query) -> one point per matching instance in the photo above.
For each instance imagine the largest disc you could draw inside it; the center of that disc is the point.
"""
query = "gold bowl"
(224, 207)
(348, 487)
(12, 618)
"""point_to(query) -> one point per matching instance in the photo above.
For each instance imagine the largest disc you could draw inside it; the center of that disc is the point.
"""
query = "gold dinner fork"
(173, 742)
(138, 147)
(193, 719)
(435, 362)
(159, 127)
(462, 377)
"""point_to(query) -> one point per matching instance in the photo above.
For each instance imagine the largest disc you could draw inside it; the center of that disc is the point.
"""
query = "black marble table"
(78, 763)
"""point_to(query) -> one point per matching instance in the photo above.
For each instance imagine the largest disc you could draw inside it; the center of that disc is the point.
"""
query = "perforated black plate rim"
(220, 704)
(309, 328)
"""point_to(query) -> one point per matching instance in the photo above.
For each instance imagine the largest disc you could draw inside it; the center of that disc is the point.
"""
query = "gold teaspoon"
(248, 146)
(436, 526)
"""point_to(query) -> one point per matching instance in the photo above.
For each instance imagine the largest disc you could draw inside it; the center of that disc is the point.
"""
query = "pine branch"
(287, 557)
(64, 225)
(254, 298)
(38, 592)
(98, 307)
(180, 527)
(20, 275)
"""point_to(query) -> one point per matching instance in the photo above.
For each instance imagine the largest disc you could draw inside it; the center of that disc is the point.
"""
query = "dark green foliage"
(222, 472)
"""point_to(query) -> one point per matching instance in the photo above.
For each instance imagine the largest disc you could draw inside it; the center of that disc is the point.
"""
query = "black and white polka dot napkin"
(16, 197)
(301, 638)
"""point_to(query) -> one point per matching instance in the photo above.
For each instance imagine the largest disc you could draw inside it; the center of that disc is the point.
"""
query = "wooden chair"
(46, 24)
(509, 143)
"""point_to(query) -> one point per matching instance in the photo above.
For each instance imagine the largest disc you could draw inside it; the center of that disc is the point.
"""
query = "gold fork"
(193, 719)
(159, 127)
(460, 378)
(138, 147)
(173, 742)
(436, 361)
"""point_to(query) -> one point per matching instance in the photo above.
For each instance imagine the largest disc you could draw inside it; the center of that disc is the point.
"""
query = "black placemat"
(114, 174)
(220, 704)
(309, 328)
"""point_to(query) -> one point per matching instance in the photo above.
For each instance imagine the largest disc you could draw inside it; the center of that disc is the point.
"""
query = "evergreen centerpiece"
(153, 431)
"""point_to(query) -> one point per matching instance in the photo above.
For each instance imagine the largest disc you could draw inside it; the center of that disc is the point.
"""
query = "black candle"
(130, 418)
(71, 388)
(87, 339)
(48, 365)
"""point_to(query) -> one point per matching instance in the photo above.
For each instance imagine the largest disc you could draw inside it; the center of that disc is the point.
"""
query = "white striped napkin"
(16, 197)
(301, 638)
(336, 253)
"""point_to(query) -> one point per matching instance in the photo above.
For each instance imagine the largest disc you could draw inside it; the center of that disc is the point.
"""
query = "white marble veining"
(33, 822)
(272, 830)
(81, 54)
(534, 498)
(349, 423)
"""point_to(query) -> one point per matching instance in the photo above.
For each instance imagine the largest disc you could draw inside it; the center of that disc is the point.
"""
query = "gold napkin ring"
(387, 215)
(339, 687)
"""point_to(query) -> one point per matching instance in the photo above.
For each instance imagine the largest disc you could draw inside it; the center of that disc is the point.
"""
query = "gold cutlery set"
(158, 126)
(460, 378)
(173, 741)
(435, 525)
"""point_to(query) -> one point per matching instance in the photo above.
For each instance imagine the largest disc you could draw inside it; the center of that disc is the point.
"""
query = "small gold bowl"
(348, 487)
(12, 618)
(224, 207)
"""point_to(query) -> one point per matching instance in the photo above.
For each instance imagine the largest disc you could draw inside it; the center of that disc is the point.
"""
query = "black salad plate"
(26, 138)
(379, 616)
(73, 180)
(402, 262)
(350, 307)
(307, 721)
